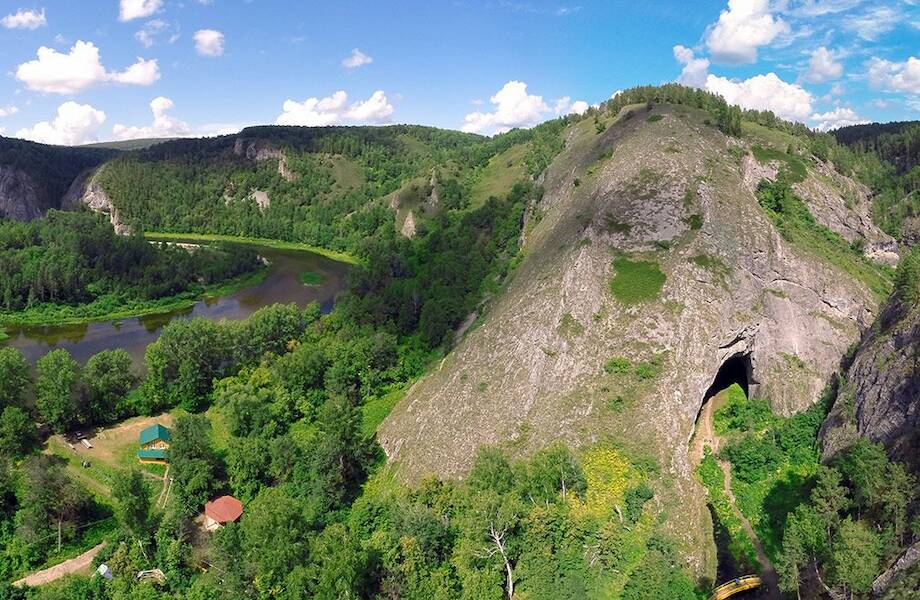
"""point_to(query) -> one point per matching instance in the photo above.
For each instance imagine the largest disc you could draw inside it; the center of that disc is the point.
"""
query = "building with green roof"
(154, 442)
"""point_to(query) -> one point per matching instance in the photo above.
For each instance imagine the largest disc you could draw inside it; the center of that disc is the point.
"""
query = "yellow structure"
(154, 443)
(735, 586)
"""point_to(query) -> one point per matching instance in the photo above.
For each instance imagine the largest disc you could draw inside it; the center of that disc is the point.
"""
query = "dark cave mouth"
(736, 369)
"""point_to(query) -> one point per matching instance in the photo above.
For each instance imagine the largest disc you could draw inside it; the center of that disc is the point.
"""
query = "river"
(134, 334)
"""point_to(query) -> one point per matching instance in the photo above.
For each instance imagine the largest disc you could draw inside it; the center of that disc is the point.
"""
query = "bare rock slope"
(675, 193)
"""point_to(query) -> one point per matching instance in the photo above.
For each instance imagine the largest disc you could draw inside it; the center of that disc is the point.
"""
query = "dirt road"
(74, 565)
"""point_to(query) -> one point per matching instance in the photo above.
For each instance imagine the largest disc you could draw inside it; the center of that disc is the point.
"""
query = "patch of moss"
(655, 118)
(618, 365)
(695, 222)
(616, 226)
(569, 326)
(636, 281)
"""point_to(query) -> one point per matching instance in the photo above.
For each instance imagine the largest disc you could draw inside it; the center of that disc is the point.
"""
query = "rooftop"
(224, 509)
(153, 433)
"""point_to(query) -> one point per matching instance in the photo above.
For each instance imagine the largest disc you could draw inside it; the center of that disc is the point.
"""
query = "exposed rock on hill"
(880, 396)
(35, 177)
(87, 191)
(669, 194)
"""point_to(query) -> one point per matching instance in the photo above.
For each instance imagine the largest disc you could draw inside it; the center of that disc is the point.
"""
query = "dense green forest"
(72, 265)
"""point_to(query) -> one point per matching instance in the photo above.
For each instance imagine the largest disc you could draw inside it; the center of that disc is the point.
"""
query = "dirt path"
(704, 436)
(74, 565)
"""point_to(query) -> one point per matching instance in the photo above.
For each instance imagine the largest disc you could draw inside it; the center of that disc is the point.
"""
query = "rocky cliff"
(35, 177)
(85, 190)
(659, 198)
(879, 397)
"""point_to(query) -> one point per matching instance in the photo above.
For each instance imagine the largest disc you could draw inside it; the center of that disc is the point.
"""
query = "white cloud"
(740, 30)
(74, 124)
(148, 33)
(514, 107)
(6, 111)
(822, 66)
(209, 42)
(334, 109)
(356, 59)
(137, 9)
(895, 76)
(839, 117)
(376, 109)
(163, 125)
(695, 69)
(764, 92)
(820, 8)
(565, 106)
(24, 19)
(79, 69)
(873, 23)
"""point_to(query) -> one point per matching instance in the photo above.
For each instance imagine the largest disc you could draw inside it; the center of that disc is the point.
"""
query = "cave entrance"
(737, 369)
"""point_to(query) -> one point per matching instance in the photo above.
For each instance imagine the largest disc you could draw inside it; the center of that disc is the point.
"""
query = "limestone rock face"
(880, 396)
(678, 193)
(86, 190)
(20, 197)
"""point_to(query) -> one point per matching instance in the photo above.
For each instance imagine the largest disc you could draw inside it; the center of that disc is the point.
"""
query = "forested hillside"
(889, 154)
(329, 187)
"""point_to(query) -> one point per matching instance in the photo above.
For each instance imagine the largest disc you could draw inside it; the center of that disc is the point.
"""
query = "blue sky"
(76, 72)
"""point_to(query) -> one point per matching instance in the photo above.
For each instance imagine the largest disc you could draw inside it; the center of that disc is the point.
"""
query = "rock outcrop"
(879, 398)
(87, 191)
(21, 199)
(673, 193)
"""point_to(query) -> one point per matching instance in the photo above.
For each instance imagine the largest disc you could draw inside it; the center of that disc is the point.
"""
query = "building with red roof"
(221, 511)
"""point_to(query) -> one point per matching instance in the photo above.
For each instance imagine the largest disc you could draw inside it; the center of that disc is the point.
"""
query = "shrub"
(618, 365)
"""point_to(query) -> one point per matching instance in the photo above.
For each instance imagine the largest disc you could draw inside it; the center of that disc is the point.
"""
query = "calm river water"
(134, 334)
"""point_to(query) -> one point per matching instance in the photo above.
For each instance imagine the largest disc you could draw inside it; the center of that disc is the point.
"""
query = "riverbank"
(107, 308)
(276, 244)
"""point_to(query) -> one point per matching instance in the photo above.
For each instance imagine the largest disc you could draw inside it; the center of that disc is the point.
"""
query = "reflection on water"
(134, 335)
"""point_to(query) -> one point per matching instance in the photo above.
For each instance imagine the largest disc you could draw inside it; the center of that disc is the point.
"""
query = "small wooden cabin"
(154, 443)
(221, 511)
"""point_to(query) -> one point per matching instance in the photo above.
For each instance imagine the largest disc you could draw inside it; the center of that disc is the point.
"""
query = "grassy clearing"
(311, 278)
(376, 409)
(636, 281)
(795, 165)
(112, 307)
(276, 244)
(499, 176)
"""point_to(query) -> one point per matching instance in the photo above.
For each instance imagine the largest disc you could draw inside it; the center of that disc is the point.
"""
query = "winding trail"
(704, 436)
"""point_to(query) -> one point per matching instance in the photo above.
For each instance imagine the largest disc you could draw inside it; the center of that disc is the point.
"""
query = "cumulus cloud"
(79, 69)
(334, 109)
(839, 117)
(740, 30)
(822, 66)
(764, 92)
(163, 125)
(24, 19)
(565, 106)
(895, 76)
(695, 69)
(514, 107)
(74, 124)
(356, 59)
(209, 42)
(137, 9)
